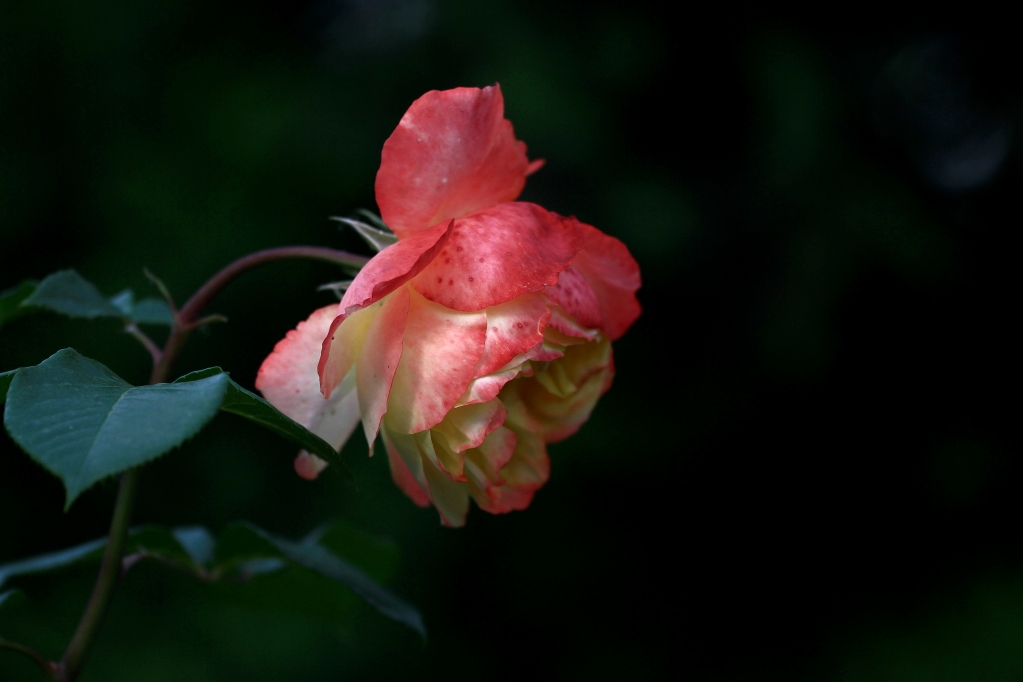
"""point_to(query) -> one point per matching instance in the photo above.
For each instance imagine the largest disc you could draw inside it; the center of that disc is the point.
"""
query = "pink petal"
(483, 464)
(403, 476)
(341, 346)
(483, 389)
(289, 382)
(378, 359)
(513, 328)
(309, 466)
(466, 427)
(392, 267)
(285, 378)
(452, 153)
(614, 276)
(524, 474)
(560, 399)
(574, 294)
(451, 498)
(498, 254)
(440, 351)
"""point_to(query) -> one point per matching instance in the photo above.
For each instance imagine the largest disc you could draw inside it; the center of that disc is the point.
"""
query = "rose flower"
(481, 335)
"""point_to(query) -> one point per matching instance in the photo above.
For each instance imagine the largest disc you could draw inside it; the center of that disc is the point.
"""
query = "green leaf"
(146, 311)
(124, 301)
(11, 598)
(161, 543)
(5, 382)
(52, 560)
(152, 311)
(83, 423)
(198, 542)
(11, 300)
(242, 543)
(239, 401)
(69, 293)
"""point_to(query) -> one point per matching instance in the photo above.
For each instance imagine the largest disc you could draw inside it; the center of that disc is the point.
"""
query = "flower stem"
(109, 572)
(185, 320)
(187, 317)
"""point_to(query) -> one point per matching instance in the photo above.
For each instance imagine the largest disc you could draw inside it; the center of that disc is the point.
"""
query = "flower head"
(481, 335)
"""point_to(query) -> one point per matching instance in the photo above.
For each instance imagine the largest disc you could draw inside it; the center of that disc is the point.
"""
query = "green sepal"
(378, 238)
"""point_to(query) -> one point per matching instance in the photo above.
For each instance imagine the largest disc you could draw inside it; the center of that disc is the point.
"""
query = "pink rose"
(481, 335)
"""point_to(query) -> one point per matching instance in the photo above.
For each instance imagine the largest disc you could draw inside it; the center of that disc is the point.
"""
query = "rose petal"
(378, 359)
(560, 399)
(483, 389)
(513, 328)
(402, 473)
(439, 353)
(574, 294)
(451, 498)
(524, 474)
(309, 466)
(288, 380)
(341, 346)
(466, 427)
(483, 464)
(498, 254)
(614, 276)
(452, 153)
(392, 267)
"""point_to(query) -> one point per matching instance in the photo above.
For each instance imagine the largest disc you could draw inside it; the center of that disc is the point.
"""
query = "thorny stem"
(185, 320)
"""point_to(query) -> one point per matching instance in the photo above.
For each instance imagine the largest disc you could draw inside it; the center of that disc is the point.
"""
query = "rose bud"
(481, 335)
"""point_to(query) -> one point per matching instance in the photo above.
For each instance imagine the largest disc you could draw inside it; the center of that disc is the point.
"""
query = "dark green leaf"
(10, 598)
(315, 557)
(197, 541)
(162, 543)
(83, 423)
(124, 301)
(11, 300)
(5, 382)
(249, 405)
(152, 311)
(69, 293)
(52, 560)
(146, 311)
(200, 374)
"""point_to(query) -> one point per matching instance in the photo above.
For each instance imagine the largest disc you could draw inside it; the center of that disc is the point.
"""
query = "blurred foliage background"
(806, 468)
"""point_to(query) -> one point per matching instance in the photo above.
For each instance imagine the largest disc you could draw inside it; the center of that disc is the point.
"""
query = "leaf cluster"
(334, 555)
(68, 293)
(83, 423)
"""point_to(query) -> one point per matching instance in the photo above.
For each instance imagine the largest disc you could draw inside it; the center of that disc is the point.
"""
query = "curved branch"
(186, 318)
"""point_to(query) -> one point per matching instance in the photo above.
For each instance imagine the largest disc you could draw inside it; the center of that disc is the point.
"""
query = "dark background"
(806, 468)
